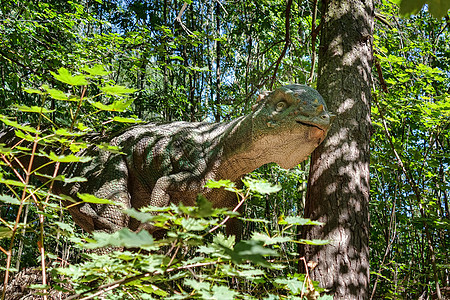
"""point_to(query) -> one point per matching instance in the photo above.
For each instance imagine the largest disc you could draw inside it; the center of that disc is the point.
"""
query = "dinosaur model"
(170, 163)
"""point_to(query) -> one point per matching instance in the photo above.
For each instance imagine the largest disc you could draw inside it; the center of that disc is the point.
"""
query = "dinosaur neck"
(238, 152)
(245, 144)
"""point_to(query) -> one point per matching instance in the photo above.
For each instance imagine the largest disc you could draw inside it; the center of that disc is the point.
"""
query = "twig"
(225, 11)
(228, 217)
(16, 223)
(380, 75)
(314, 33)
(178, 19)
(287, 40)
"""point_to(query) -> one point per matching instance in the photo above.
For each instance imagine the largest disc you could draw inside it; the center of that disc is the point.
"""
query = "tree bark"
(338, 185)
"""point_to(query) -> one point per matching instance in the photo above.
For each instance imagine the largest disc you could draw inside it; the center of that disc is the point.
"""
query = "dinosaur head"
(294, 118)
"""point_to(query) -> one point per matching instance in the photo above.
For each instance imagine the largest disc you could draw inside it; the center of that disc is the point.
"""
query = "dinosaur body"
(170, 163)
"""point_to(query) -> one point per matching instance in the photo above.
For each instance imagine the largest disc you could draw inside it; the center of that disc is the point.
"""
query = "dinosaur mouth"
(309, 125)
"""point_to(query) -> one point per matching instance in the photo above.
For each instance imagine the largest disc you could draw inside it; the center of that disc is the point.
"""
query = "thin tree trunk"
(338, 187)
(217, 109)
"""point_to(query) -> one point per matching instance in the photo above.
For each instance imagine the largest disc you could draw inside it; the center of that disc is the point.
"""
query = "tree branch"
(287, 40)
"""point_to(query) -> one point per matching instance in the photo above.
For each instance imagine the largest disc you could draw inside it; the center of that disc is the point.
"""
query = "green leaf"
(93, 199)
(314, 242)
(326, 297)
(410, 7)
(122, 238)
(260, 186)
(293, 220)
(64, 226)
(267, 240)
(438, 8)
(251, 250)
(12, 182)
(96, 70)
(65, 76)
(176, 57)
(255, 220)
(194, 224)
(33, 91)
(142, 217)
(223, 293)
(222, 240)
(251, 274)
(24, 136)
(33, 109)
(17, 125)
(117, 90)
(66, 132)
(67, 158)
(153, 289)
(293, 285)
(204, 207)
(215, 184)
(196, 285)
(126, 120)
(198, 69)
(56, 94)
(110, 148)
(5, 232)
(9, 200)
(5, 150)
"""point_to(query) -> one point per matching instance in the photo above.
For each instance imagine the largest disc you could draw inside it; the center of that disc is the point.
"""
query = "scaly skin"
(170, 163)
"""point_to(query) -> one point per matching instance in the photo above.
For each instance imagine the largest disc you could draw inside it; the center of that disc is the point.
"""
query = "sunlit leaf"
(67, 158)
(93, 199)
(33, 109)
(56, 94)
(33, 91)
(314, 242)
(17, 125)
(223, 293)
(438, 8)
(97, 70)
(269, 240)
(126, 120)
(9, 200)
(176, 57)
(5, 232)
(215, 184)
(65, 76)
(122, 238)
(12, 182)
(117, 90)
(260, 186)
(294, 220)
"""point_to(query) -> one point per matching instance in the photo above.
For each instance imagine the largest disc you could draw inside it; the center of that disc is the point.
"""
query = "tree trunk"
(338, 187)
(217, 109)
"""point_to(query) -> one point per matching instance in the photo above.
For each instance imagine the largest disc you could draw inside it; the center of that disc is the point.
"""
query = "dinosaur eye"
(280, 105)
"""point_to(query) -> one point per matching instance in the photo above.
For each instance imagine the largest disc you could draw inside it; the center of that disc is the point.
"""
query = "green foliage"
(410, 156)
(438, 8)
(192, 260)
(23, 196)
